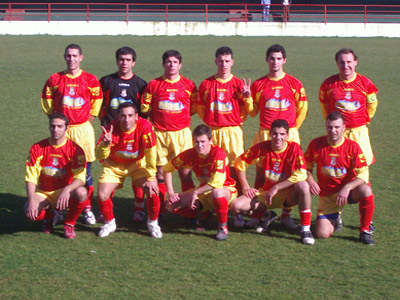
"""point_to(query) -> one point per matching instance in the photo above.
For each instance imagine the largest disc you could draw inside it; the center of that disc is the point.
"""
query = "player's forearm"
(354, 184)
(168, 183)
(241, 175)
(30, 190)
(76, 183)
(283, 185)
(203, 189)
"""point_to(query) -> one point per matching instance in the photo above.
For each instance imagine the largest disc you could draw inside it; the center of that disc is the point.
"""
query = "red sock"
(106, 209)
(305, 217)
(187, 185)
(75, 210)
(42, 215)
(89, 199)
(366, 207)
(139, 198)
(153, 207)
(258, 214)
(163, 196)
(186, 212)
(221, 210)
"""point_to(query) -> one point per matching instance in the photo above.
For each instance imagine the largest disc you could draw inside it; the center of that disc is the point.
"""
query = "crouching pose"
(285, 175)
(121, 147)
(217, 188)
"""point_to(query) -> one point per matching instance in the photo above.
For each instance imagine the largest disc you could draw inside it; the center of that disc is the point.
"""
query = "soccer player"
(169, 100)
(354, 95)
(217, 188)
(123, 86)
(121, 147)
(285, 174)
(55, 176)
(342, 174)
(278, 95)
(78, 95)
(223, 104)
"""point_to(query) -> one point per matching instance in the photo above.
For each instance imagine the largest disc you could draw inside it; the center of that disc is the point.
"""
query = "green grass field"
(186, 264)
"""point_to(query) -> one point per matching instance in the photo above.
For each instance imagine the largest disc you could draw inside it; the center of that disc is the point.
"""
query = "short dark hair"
(280, 123)
(169, 53)
(202, 130)
(335, 115)
(276, 48)
(59, 115)
(127, 104)
(124, 51)
(73, 46)
(223, 51)
(345, 51)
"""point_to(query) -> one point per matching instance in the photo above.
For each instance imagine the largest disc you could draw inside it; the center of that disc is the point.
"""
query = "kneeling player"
(217, 188)
(285, 175)
(342, 174)
(121, 147)
(55, 176)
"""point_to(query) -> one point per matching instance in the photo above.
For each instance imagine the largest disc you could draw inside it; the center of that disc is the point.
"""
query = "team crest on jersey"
(55, 161)
(124, 93)
(277, 93)
(276, 166)
(333, 161)
(72, 91)
(171, 96)
(221, 96)
(129, 147)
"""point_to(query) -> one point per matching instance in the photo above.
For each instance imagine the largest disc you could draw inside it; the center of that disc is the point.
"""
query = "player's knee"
(81, 194)
(218, 193)
(102, 195)
(365, 190)
(302, 187)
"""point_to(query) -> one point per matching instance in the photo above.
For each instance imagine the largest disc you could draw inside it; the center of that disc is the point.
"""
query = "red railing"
(128, 12)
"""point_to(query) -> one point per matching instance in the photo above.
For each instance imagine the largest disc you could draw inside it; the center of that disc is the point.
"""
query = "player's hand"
(250, 192)
(315, 189)
(174, 198)
(270, 194)
(63, 199)
(193, 201)
(107, 136)
(342, 196)
(246, 88)
(151, 186)
(31, 211)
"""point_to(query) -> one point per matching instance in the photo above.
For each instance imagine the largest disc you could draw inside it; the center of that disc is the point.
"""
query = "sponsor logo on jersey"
(74, 103)
(347, 105)
(174, 107)
(334, 172)
(115, 102)
(222, 107)
(127, 154)
(53, 172)
(277, 104)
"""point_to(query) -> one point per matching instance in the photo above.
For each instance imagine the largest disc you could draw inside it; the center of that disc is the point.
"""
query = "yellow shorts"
(327, 205)
(361, 136)
(114, 172)
(277, 201)
(171, 143)
(207, 202)
(263, 135)
(83, 135)
(230, 139)
(51, 196)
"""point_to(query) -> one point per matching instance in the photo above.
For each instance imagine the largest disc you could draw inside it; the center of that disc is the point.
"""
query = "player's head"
(126, 58)
(224, 61)
(202, 139)
(279, 133)
(276, 58)
(127, 115)
(73, 57)
(346, 60)
(58, 125)
(335, 127)
(172, 63)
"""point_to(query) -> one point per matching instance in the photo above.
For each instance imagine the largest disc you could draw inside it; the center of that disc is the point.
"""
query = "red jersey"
(128, 146)
(212, 169)
(221, 102)
(336, 165)
(278, 166)
(280, 98)
(355, 99)
(54, 167)
(169, 103)
(78, 97)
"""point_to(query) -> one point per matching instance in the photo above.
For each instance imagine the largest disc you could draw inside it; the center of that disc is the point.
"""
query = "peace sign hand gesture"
(246, 88)
(107, 136)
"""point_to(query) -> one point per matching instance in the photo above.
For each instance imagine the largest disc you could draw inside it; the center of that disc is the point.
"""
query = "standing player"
(169, 101)
(55, 176)
(354, 95)
(342, 174)
(123, 86)
(78, 95)
(121, 147)
(278, 95)
(285, 175)
(223, 104)
(217, 188)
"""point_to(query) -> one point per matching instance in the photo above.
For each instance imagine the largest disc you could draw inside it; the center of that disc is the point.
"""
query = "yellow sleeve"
(80, 174)
(151, 161)
(32, 173)
(240, 164)
(372, 104)
(251, 107)
(96, 100)
(145, 107)
(103, 151)
(200, 106)
(169, 167)
(301, 112)
(46, 100)
(298, 175)
(217, 179)
(363, 173)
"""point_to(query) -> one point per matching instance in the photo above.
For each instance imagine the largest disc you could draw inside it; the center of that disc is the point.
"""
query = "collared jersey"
(169, 103)
(288, 163)
(78, 97)
(336, 165)
(280, 98)
(117, 90)
(355, 99)
(54, 167)
(212, 169)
